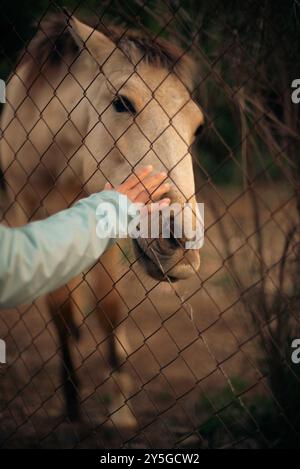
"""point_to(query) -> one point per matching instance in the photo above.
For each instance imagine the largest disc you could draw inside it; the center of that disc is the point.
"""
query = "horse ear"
(97, 43)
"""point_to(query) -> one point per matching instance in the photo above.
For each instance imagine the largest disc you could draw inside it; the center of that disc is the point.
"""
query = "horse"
(86, 105)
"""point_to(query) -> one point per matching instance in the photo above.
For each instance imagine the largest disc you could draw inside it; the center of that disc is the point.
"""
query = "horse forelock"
(54, 44)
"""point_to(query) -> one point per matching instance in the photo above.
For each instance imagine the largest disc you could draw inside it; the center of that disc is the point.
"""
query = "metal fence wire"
(125, 356)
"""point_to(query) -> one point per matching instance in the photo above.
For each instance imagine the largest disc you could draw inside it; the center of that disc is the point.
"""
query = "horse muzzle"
(168, 258)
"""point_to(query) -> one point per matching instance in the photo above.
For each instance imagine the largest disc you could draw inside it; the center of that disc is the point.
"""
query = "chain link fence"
(125, 356)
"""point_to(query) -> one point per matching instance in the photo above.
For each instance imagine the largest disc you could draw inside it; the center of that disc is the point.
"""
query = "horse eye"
(122, 104)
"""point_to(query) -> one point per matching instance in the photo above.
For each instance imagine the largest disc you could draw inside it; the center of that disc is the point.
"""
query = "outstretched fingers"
(144, 187)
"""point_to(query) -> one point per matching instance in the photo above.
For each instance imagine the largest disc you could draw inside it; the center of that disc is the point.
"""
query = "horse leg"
(109, 313)
(63, 318)
(117, 348)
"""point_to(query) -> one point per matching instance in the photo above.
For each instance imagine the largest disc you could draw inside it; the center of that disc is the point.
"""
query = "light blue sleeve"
(44, 255)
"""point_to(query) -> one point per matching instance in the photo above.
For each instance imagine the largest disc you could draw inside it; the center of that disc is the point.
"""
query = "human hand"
(142, 187)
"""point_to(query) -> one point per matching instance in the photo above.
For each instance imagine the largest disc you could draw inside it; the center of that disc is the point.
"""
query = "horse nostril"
(175, 242)
(175, 239)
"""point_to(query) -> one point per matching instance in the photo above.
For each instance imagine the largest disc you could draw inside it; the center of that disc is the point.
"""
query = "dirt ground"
(186, 344)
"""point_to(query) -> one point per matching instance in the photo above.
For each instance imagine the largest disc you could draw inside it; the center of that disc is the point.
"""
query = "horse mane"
(54, 43)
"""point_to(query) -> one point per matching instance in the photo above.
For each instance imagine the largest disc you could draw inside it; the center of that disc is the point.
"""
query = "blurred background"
(212, 364)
